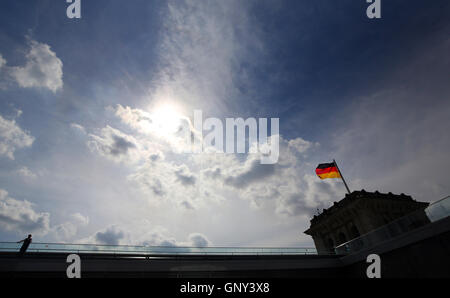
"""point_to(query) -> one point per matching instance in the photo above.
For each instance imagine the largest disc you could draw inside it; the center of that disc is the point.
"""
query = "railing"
(434, 212)
(153, 250)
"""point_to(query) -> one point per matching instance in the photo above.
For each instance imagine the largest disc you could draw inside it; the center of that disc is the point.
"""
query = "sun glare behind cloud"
(166, 119)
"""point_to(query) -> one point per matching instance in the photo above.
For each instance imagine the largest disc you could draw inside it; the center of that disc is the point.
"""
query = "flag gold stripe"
(329, 175)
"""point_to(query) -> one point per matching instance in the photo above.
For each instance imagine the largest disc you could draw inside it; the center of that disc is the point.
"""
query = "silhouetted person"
(26, 243)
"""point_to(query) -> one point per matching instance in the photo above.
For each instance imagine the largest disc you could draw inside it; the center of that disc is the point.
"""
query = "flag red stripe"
(326, 170)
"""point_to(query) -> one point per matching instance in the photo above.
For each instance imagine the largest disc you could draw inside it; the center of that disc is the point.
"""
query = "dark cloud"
(198, 240)
(255, 173)
(155, 157)
(114, 145)
(315, 195)
(121, 146)
(111, 236)
(187, 205)
(158, 238)
(155, 185)
(184, 177)
(214, 174)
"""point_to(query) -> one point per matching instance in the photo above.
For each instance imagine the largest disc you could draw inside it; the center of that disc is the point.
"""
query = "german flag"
(327, 170)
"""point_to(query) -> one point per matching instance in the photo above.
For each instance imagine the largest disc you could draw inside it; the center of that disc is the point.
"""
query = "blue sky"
(373, 94)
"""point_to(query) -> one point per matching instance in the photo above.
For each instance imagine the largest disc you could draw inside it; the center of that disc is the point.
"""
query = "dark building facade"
(358, 213)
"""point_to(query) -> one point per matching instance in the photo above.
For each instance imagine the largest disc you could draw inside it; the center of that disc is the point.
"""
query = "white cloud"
(201, 55)
(137, 119)
(80, 219)
(172, 176)
(67, 230)
(308, 195)
(149, 127)
(19, 216)
(197, 185)
(2, 61)
(78, 128)
(26, 173)
(64, 232)
(12, 137)
(161, 178)
(42, 69)
(300, 145)
(287, 185)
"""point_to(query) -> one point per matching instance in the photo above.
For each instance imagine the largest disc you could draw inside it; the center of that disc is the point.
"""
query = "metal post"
(342, 177)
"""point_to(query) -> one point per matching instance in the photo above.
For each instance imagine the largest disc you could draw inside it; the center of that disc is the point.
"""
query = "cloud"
(110, 236)
(43, 68)
(78, 128)
(146, 235)
(308, 197)
(301, 146)
(19, 216)
(187, 205)
(149, 177)
(115, 145)
(69, 229)
(2, 61)
(12, 137)
(121, 145)
(80, 219)
(171, 176)
(253, 171)
(167, 176)
(184, 176)
(287, 185)
(151, 127)
(198, 240)
(26, 172)
(158, 237)
(138, 119)
(156, 186)
(159, 177)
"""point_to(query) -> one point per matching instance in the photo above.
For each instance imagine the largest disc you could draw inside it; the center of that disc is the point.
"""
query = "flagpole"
(342, 177)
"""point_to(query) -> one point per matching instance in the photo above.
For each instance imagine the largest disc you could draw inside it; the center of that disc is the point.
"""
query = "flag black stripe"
(325, 165)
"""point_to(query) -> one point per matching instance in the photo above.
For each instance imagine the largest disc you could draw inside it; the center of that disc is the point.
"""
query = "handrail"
(161, 246)
(156, 250)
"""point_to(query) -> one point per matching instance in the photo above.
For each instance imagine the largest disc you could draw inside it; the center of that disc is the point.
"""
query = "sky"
(89, 111)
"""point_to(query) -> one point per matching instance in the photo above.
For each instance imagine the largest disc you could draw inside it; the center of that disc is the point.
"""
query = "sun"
(166, 119)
